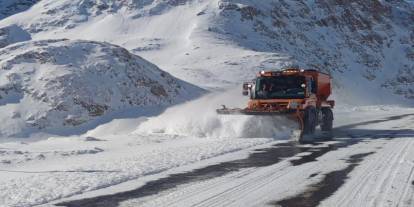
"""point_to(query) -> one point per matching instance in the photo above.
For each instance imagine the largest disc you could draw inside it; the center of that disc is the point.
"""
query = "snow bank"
(199, 118)
(57, 84)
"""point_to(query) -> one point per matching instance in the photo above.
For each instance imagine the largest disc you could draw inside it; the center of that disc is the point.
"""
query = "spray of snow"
(199, 119)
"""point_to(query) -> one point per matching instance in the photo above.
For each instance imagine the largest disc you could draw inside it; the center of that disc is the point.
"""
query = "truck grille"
(274, 106)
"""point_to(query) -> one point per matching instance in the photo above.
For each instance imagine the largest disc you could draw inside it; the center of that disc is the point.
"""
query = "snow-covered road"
(369, 163)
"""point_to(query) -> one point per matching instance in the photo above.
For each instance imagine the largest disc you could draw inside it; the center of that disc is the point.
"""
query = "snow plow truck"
(298, 94)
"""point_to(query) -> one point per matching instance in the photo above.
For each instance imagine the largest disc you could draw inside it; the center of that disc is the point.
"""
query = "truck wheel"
(309, 121)
(327, 119)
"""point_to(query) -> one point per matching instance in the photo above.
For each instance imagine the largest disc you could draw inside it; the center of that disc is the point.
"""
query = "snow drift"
(66, 83)
(199, 119)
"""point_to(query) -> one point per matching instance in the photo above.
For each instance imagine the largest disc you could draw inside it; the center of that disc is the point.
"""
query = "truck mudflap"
(295, 114)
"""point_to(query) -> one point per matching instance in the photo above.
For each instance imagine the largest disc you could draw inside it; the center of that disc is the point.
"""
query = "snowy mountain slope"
(169, 33)
(366, 45)
(371, 41)
(11, 7)
(53, 84)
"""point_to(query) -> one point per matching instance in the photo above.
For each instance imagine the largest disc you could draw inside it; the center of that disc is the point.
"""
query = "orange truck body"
(317, 98)
(309, 104)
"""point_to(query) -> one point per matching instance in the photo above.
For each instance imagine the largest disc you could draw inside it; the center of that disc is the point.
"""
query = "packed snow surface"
(32, 172)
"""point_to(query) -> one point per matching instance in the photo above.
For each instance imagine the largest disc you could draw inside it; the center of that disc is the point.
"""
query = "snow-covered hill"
(366, 45)
(53, 84)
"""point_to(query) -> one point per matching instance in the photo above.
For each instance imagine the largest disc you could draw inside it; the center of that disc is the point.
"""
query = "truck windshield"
(280, 87)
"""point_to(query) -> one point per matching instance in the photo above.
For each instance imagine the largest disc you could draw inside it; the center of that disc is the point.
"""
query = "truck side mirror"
(246, 88)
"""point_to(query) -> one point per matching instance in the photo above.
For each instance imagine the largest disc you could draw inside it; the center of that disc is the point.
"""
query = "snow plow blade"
(238, 111)
(295, 115)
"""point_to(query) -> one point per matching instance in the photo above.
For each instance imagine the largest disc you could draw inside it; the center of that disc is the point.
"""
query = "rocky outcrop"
(12, 34)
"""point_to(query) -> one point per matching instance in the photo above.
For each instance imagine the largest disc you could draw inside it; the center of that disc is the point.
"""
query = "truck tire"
(309, 121)
(327, 119)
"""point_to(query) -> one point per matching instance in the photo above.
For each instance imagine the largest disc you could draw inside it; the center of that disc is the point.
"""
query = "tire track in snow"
(206, 188)
(257, 159)
(220, 196)
(254, 184)
(381, 180)
(360, 182)
(324, 189)
(230, 191)
(391, 173)
(240, 190)
(370, 184)
(390, 163)
(408, 193)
